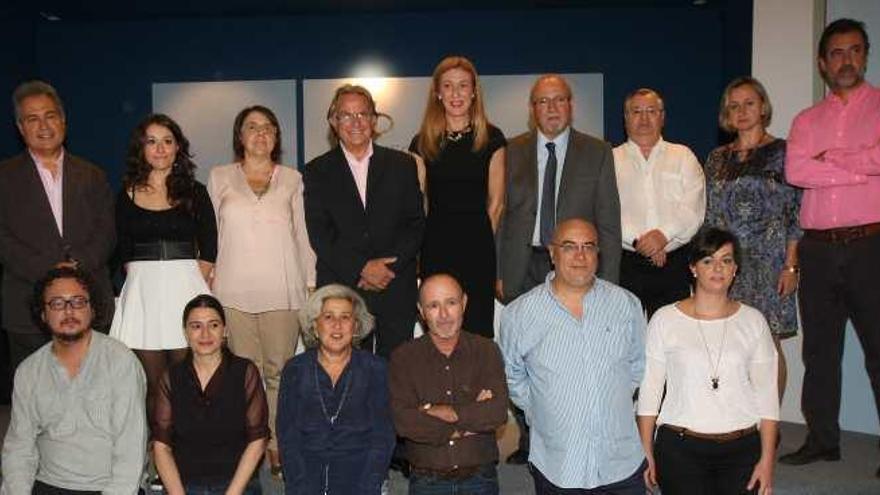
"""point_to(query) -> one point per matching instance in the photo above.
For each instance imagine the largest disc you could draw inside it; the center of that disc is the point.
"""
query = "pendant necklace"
(331, 419)
(714, 378)
(455, 136)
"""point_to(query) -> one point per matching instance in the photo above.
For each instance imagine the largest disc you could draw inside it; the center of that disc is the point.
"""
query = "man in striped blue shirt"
(574, 354)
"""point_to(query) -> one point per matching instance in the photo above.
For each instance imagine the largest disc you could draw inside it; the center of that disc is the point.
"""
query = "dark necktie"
(548, 197)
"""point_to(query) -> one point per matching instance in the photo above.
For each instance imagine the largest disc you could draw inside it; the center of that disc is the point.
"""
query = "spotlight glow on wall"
(373, 76)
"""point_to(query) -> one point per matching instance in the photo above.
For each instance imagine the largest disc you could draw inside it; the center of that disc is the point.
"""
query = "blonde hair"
(434, 122)
(766, 107)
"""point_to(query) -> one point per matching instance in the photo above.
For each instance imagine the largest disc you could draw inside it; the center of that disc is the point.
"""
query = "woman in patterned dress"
(748, 195)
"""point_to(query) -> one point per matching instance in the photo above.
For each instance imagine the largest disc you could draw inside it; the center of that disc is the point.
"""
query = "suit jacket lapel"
(375, 172)
(69, 191)
(33, 182)
(532, 172)
(567, 172)
(346, 180)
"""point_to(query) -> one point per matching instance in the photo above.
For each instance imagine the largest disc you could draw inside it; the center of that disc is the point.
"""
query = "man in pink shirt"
(56, 210)
(834, 154)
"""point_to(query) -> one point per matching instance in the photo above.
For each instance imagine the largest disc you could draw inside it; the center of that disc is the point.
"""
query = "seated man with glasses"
(574, 354)
(78, 422)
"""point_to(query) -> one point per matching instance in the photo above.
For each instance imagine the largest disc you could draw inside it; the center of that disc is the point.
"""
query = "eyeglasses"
(60, 303)
(544, 102)
(347, 118)
(649, 112)
(570, 248)
(259, 129)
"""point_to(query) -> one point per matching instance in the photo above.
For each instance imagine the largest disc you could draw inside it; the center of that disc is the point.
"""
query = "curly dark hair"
(238, 145)
(180, 183)
(85, 281)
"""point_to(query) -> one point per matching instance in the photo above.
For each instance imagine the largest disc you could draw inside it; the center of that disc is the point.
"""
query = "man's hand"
(67, 264)
(659, 259)
(650, 242)
(376, 275)
(499, 289)
(443, 412)
(484, 394)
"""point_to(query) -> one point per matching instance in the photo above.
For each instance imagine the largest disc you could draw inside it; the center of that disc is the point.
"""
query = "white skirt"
(149, 310)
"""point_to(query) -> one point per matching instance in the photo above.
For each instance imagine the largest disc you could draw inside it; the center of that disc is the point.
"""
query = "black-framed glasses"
(60, 303)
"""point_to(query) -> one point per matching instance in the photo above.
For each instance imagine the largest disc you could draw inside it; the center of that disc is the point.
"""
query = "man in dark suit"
(553, 173)
(365, 217)
(55, 210)
(581, 182)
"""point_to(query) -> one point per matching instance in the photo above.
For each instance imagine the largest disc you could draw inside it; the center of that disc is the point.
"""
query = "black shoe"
(519, 457)
(400, 464)
(808, 454)
(877, 474)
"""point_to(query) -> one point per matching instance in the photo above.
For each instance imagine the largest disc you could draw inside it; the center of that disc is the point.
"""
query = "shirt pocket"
(98, 411)
(670, 185)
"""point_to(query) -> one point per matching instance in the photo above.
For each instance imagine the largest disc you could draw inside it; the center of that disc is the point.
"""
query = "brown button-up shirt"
(420, 374)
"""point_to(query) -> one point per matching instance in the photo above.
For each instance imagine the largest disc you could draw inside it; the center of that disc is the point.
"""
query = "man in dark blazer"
(55, 210)
(553, 173)
(585, 187)
(365, 217)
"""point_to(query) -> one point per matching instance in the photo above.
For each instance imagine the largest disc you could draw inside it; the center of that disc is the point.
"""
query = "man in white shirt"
(662, 204)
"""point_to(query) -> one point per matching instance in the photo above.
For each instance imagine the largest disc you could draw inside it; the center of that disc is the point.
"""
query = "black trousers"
(656, 287)
(839, 281)
(41, 488)
(693, 466)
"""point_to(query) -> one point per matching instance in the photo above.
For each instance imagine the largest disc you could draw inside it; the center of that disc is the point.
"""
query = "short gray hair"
(308, 315)
(35, 88)
(643, 92)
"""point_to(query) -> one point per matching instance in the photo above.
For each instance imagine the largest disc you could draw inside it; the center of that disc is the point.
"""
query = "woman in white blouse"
(715, 356)
(265, 264)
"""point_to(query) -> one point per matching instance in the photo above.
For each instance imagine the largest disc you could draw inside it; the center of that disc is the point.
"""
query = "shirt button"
(447, 367)
(452, 442)
(449, 392)
(455, 466)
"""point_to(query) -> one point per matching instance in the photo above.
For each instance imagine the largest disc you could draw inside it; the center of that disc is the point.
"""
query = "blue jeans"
(484, 482)
(252, 488)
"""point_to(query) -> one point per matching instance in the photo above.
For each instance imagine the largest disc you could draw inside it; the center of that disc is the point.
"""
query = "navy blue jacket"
(350, 456)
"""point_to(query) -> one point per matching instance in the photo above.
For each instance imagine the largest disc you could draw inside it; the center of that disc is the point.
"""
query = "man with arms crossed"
(448, 396)
(834, 154)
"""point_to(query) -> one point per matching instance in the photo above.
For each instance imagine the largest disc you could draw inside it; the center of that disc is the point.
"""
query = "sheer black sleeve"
(257, 410)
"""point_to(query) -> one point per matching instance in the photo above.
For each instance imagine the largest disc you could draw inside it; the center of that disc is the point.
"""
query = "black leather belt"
(715, 437)
(843, 235)
(163, 250)
(451, 474)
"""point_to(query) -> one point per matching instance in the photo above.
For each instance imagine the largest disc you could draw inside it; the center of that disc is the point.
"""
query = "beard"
(67, 337)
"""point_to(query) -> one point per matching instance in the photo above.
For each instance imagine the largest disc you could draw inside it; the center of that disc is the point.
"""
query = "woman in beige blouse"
(265, 264)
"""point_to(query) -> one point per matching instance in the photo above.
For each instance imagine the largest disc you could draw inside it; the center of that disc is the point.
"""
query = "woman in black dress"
(462, 159)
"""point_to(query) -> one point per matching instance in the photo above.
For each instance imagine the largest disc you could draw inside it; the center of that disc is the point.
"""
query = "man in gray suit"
(553, 173)
(56, 210)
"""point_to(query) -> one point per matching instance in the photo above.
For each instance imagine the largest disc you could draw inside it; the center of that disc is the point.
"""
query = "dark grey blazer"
(588, 190)
(30, 243)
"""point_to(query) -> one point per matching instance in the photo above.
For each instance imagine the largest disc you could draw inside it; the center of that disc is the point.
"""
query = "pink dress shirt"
(54, 187)
(264, 259)
(843, 189)
(359, 169)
